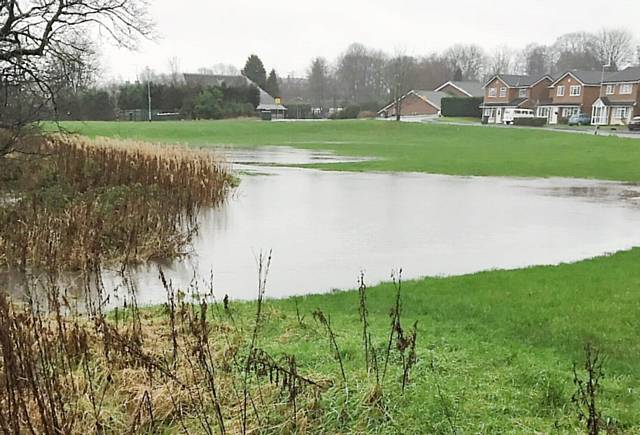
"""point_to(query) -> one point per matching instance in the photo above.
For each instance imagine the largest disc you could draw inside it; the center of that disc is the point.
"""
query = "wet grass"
(434, 148)
(494, 354)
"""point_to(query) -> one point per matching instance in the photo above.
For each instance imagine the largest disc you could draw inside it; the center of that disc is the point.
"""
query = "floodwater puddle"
(325, 227)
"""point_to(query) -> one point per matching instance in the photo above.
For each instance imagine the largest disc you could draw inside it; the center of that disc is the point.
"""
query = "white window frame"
(493, 92)
(621, 113)
(544, 112)
(626, 89)
(611, 89)
(575, 90)
(522, 93)
(503, 92)
(560, 91)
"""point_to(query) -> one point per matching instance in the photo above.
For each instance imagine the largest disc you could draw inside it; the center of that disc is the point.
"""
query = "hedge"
(530, 122)
(462, 107)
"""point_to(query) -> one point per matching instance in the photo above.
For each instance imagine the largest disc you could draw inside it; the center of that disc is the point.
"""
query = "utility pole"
(149, 91)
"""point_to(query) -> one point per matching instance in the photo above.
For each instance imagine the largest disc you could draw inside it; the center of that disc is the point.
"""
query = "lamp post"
(149, 90)
(603, 111)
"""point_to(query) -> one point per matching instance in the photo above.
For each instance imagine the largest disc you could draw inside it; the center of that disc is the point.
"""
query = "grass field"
(495, 349)
(504, 342)
(435, 148)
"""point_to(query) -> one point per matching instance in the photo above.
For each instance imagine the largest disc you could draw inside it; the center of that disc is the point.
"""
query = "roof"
(607, 102)
(232, 81)
(432, 97)
(215, 80)
(513, 103)
(271, 107)
(631, 74)
(471, 88)
(517, 81)
(591, 78)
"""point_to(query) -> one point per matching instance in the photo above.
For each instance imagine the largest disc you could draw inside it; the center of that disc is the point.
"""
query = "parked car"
(634, 124)
(579, 119)
(511, 114)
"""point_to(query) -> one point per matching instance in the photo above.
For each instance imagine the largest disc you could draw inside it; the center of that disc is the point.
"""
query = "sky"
(287, 34)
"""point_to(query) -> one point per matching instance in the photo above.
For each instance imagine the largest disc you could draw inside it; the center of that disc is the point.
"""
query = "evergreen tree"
(318, 77)
(457, 76)
(254, 71)
(272, 86)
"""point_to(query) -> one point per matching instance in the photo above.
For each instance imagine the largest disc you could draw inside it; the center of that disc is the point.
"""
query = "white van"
(511, 114)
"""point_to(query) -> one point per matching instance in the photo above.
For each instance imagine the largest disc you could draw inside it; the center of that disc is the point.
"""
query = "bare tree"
(614, 47)
(468, 59)
(174, 70)
(575, 51)
(36, 34)
(399, 71)
(535, 60)
(502, 61)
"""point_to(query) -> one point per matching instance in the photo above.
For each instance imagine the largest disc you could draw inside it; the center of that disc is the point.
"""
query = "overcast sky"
(287, 34)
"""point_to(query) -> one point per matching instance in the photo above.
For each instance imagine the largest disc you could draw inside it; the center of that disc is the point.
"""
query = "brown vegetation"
(81, 202)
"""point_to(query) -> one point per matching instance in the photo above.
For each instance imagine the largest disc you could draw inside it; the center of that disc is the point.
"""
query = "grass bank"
(434, 148)
(494, 354)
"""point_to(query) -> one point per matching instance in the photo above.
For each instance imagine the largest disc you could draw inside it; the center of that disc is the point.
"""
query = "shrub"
(530, 122)
(367, 114)
(462, 107)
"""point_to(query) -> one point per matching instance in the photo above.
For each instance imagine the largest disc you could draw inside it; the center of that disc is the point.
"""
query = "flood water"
(325, 227)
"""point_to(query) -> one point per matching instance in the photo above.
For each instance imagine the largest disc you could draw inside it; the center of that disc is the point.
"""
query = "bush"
(462, 107)
(367, 114)
(530, 122)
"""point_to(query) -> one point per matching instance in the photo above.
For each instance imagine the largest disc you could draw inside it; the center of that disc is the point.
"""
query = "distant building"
(429, 103)
(267, 102)
(415, 103)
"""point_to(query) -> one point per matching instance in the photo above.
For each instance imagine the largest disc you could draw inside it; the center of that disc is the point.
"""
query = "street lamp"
(149, 90)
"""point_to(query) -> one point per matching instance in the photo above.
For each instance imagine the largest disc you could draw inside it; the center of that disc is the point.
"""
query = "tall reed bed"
(80, 202)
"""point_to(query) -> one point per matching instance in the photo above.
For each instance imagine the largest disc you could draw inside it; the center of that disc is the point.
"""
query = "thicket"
(77, 201)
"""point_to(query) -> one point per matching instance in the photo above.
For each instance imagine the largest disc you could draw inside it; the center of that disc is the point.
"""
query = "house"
(415, 103)
(267, 103)
(462, 89)
(571, 93)
(618, 99)
(510, 91)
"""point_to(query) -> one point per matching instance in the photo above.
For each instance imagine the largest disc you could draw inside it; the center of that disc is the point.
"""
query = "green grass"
(494, 348)
(434, 148)
(500, 344)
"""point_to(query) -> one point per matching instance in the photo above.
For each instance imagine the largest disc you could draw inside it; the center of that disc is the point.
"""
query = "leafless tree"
(469, 59)
(614, 47)
(36, 35)
(502, 61)
(535, 60)
(399, 71)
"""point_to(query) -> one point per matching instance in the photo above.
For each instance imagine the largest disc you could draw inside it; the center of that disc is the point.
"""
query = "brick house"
(415, 103)
(510, 91)
(619, 98)
(571, 93)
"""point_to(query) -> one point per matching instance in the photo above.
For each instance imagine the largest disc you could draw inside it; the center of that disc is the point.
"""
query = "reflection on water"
(325, 227)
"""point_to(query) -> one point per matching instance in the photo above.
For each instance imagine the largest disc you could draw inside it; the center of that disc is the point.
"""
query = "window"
(522, 93)
(625, 89)
(575, 90)
(543, 112)
(503, 92)
(622, 113)
(487, 113)
(560, 91)
(611, 89)
(493, 92)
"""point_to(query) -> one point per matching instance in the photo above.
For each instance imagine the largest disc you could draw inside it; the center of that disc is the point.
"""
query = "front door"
(499, 116)
(553, 118)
